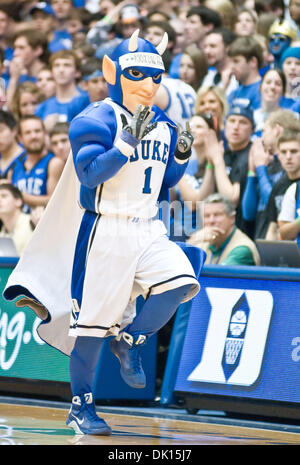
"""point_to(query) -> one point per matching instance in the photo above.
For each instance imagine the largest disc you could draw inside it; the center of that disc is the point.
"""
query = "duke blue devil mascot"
(105, 244)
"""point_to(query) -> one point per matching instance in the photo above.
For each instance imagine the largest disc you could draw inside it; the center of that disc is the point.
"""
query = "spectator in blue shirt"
(69, 99)
(246, 59)
(290, 65)
(30, 55)
(62, 39)
(43, 19)
(272, 91)
(93, 81)
(45, 82)
(5, 33)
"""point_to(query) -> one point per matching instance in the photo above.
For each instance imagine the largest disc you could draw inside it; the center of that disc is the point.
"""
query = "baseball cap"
(241, 107)
(42, 6)
(129, 14)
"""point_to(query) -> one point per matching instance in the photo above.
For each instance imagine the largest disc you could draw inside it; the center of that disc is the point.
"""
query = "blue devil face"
(131, 64)
(278, 43)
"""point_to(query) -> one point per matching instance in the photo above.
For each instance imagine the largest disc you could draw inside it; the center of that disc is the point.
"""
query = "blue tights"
(155, 313)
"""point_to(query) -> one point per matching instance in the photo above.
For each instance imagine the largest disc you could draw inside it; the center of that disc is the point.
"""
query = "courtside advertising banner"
(243, 340)
(23, 354)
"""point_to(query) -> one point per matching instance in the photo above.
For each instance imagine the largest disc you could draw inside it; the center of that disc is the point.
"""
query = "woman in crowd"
(272, 90)
(290, 65)
(226, 10)
(245, 23)
(198, 182)
(193, 67)
(25, 99)
(212, 100)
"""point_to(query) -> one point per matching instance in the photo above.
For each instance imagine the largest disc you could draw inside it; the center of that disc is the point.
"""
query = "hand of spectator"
(3, 100)
(16, 67)
(214, 148)
(35, 215)
(114, 13)
(50, 121)
(226, 76)
(207, 234)
(258, 153)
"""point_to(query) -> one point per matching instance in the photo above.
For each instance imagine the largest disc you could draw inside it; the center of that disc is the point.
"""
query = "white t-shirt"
(288, 206)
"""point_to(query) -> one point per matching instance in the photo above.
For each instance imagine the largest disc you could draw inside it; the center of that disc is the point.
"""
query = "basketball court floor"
(30, 422)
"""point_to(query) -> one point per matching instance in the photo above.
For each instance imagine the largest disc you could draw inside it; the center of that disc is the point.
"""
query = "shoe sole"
(136, 386)
(100, 432)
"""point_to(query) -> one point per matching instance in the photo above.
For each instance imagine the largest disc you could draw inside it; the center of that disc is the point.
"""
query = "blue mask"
(136, 59)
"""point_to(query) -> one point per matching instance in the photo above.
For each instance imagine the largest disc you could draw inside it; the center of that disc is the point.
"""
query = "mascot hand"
(133, 132)
(139, 126)
(184, 144)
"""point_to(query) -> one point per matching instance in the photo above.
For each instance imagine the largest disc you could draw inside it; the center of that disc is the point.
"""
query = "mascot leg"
(83, 363)
(155, 313)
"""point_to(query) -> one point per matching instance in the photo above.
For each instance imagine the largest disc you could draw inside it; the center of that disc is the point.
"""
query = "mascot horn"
(136, 53)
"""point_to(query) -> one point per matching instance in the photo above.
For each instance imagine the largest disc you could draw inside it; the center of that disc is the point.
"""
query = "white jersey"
(208, 81)
(134, 190)
(182, 99)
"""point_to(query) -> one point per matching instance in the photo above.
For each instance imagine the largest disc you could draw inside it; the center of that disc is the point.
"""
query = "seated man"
(222, 241)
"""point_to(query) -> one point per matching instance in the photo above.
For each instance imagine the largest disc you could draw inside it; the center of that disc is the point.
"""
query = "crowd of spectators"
(232, 73)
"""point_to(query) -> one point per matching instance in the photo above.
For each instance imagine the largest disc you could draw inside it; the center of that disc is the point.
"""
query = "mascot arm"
(95, 156)
(95, 165)
(176, 167)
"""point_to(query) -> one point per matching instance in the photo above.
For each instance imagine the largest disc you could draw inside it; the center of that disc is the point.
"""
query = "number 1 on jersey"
(147, 188)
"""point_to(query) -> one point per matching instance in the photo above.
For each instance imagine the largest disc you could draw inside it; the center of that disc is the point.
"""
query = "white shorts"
(127, 258)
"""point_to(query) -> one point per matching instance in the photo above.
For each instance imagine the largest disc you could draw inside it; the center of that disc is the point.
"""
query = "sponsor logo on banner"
(236, 337)
(14, 336)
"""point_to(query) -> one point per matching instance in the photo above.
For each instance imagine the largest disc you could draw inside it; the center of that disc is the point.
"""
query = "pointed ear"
(109, 70)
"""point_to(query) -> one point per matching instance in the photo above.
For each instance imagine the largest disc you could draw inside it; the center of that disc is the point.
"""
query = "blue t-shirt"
(250, 93)
(79, 3)
(66, 110)
(286, 102)
(296, 106)
(62, 40)
(174, 67)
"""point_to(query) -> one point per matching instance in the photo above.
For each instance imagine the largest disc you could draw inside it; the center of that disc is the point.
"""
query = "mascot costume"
(101, 242)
